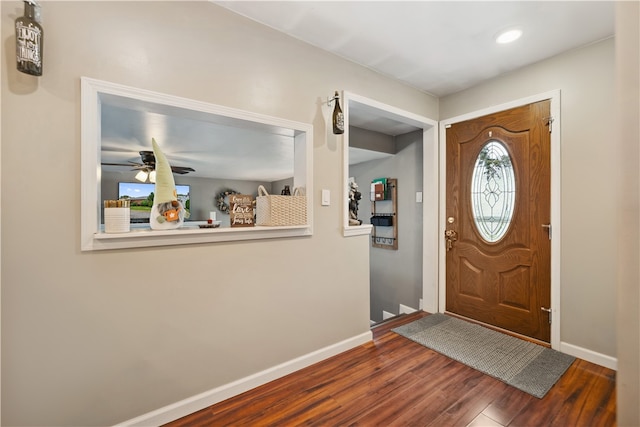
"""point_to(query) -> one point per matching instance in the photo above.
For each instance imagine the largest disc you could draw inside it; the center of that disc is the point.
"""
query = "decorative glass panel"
(493, 191)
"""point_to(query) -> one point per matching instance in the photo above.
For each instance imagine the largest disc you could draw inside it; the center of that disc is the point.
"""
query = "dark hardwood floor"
(393, 381)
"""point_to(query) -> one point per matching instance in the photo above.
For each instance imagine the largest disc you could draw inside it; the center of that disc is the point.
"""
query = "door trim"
(430, 188)
(554, 96)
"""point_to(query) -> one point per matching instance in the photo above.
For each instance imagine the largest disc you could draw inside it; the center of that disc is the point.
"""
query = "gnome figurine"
(167, 212)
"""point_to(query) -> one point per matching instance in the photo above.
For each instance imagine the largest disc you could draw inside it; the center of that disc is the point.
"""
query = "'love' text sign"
(241, 210)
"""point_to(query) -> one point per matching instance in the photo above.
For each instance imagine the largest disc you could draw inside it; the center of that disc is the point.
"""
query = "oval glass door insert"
(493, 191)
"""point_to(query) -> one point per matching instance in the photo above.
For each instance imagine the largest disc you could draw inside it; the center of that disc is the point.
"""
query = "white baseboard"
(405, 309)
(200, 401)
(386, 315)
(589, 355)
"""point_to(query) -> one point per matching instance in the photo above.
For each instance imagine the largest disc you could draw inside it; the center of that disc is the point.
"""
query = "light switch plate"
(326, 197)
(418, 196)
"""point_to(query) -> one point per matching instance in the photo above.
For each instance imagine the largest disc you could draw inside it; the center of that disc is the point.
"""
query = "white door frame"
(554, 96)
(430, 241)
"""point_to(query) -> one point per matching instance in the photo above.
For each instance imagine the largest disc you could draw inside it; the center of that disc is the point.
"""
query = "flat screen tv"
(140, 197)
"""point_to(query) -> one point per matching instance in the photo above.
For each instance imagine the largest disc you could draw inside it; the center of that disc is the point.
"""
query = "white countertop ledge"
(194, 235)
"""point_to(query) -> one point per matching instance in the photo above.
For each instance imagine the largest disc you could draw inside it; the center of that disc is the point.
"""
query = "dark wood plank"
(393, 381)
(584, 396)
(507, 406)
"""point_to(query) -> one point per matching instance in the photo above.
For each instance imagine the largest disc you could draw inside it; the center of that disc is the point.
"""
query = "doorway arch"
(377, 116)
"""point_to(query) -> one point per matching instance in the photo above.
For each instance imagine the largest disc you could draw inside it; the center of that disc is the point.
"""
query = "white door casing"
(430, 188)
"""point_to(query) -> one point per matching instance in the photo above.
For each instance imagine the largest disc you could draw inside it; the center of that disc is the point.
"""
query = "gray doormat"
(529, 367)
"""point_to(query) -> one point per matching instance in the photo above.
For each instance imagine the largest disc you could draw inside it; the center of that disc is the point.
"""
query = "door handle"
(450, 236)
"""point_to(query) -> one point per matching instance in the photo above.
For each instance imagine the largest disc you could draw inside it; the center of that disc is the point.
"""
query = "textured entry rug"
(526, 366)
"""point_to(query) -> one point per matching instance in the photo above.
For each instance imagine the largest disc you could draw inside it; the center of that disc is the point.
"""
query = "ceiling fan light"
(142, 176)
(152, 176)
(508, 36)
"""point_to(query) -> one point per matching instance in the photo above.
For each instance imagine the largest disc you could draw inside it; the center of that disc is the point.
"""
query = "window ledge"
(137, 238)
(357, 230)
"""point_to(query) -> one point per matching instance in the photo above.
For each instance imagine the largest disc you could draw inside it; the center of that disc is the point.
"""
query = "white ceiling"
(440, 47)
(195, 140)
(437, 47)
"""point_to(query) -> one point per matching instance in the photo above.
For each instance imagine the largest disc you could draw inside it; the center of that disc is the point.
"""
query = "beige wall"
(589, 169)
(627, 139)
(98, 338)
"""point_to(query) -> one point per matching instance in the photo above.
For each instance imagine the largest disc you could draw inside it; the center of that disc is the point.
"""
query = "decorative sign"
(241, 210)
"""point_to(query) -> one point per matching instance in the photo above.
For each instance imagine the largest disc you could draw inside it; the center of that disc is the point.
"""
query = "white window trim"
(92, 238)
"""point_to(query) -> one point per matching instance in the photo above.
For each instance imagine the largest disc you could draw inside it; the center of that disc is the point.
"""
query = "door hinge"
(548, 227)
(548, 310)
(550, 120)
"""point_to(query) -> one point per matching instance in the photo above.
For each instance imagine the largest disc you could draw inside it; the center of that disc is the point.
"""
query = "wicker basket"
(275, 210)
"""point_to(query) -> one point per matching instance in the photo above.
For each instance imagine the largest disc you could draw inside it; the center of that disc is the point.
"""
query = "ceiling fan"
(148, 166)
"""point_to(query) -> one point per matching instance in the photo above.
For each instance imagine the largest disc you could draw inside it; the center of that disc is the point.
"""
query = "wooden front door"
(498, 260)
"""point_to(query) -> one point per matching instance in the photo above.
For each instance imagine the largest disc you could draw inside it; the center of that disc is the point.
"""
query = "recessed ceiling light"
(508, 36)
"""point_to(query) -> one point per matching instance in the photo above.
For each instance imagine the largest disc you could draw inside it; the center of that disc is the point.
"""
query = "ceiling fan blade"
(181, 169)
(149, 162)
(130, 164)
(148, 158)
